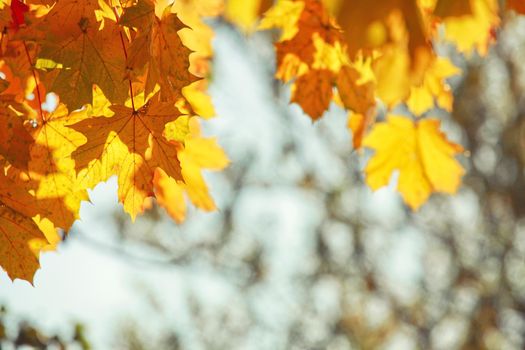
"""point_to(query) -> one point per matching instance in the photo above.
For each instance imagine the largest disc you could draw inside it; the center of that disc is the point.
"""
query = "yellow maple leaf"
(475, 31)
(434, 89)
(421, 154)
(20, 238)
(199, 154)
(245, 13)
(52, 167)
(283, 15)
(198, 37)
(400, 33)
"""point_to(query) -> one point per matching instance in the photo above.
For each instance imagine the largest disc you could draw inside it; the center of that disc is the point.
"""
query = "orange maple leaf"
(516, 5)
(79, 54)
(158, 49)
(130, 144)
(311, 52)
(15, 141)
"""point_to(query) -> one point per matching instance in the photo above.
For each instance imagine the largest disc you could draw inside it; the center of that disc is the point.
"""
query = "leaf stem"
(117, 18)
(39, 97)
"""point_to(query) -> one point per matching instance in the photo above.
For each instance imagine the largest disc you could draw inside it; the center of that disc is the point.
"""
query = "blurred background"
(301, 254)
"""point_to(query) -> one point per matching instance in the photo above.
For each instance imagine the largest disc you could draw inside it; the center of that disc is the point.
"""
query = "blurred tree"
(24, 335)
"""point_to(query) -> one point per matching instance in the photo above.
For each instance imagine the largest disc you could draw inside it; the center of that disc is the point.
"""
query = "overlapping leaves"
(126, 100)
(363, 54)
(130, 80)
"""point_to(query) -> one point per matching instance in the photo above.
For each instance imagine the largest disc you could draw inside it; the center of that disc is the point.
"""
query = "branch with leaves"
(99, 88)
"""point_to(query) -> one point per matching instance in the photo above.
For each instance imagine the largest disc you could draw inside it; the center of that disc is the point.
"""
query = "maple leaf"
(82, 54)
(197, 36)
(17, 54)
(15, 141)
(419, 151)
(312, 54)
(18, 9)
(516, 5)
(53, 169)
(245, 13)
(359, 124)
(158, 49)
(397, 34)
(130, 144)
(199, 153)
(284, 15)
(366, 26)
(434, 88)
(355, 95)
(313, 21)
(452, 8)
(475, 31)
(313, 92)
(20, 238)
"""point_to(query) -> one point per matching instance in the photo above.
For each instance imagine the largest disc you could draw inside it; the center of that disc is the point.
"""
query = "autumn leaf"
(18, 9)
(313, 92)
(313, 21)
(53, 169)
(245, 13)
(130, 144)
(198, 38)
(475, 31)
(452, 8)
(421, 154)
(283, 15)
(434, 90)
(198, 154)
(198, 35)
(359, 124)
(158, 49)
(368, 26)
(355, 95)
(78, 54)
(516, 5)
(311, 53)
(17, 54)
(15, 141)
(20, 238)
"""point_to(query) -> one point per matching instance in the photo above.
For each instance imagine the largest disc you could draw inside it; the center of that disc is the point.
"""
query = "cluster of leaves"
(129, 81)
(129, 96)
(361, 55)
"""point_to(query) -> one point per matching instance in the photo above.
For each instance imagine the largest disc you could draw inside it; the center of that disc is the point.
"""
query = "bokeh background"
(301, 254)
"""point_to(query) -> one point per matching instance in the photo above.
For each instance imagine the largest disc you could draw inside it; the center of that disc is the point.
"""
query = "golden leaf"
(130, 144)
(421, 154)
(20, 238)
